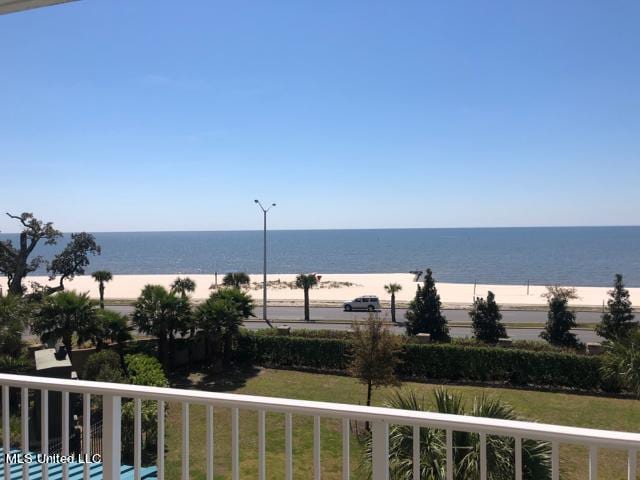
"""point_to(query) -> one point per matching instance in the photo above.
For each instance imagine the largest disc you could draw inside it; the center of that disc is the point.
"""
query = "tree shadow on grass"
(229, 380)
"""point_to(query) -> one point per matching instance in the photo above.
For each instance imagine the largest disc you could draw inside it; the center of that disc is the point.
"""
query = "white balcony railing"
(379, 418)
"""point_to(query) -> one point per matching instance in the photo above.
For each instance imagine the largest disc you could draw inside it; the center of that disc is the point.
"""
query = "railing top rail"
(335, 410)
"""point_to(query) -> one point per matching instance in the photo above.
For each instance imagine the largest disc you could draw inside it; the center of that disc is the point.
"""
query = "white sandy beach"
(452, 294)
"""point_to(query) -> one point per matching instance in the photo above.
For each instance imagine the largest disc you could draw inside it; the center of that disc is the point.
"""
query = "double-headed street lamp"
(264, 264)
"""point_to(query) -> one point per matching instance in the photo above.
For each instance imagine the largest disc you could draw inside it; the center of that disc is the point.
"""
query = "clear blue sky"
(154, 115)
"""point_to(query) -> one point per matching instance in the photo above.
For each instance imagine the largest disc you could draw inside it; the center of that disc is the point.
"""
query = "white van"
(370, 303)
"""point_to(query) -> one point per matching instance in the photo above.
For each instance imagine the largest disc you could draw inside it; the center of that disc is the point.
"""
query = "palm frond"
(466, 445)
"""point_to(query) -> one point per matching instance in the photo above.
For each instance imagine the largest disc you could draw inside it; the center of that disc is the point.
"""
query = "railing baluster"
(185, 441)
(449, 455)
(210, 443)
(6, 430)
(24, 417)
(261, 445)
(380, 440)
(555, 460)
(317, 472)
(518, 449)
(65, 433)
(632, 465)
(86, 432)
(235, 444)
(111, 439)
(137, 438)
(288, 446)
(160, 460)
(346, 469)
(416, 452)
(593, 463)
(44, 429)
(483, 456)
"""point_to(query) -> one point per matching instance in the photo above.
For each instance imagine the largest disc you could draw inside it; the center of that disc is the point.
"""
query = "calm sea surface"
(570, 256)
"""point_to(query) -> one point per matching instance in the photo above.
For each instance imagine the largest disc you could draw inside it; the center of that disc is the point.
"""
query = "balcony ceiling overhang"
(11, 6)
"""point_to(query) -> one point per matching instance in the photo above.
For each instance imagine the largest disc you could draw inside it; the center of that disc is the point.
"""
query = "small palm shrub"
(621, 363)
(536, 455)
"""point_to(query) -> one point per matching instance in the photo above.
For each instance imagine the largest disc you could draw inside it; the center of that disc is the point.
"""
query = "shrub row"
(508, 365)
(305, 333)
(323, 354)
(533, 345)
(447, 362)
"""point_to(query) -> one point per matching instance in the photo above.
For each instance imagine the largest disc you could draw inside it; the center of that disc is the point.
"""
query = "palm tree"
(392, 289)
(162, 314)
(221, 317)
(102, 277)
(64, 314)
(115, 328)
(306, 281)
(536, 455)
(183, 286)
(236, 279)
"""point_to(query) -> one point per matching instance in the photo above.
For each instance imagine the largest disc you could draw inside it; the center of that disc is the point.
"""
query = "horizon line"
(347, 229)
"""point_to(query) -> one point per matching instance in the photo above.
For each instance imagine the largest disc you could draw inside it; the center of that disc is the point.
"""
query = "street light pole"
(264, 260)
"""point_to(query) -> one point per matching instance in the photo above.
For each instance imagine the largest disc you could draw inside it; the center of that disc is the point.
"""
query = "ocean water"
(564, 255)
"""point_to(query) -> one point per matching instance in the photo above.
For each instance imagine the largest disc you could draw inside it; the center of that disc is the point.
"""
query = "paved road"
(456, 316)
(336, 319)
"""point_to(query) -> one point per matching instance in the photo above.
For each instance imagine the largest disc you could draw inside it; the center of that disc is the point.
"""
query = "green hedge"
(304, 332)
(448, 362)
(531, 345)
(298, 352)
(508, 365)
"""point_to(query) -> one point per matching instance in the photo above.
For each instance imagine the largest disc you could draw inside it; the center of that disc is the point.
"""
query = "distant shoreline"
(337, 287)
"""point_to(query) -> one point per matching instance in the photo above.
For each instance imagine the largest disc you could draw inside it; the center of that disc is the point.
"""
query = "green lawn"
(559, 408)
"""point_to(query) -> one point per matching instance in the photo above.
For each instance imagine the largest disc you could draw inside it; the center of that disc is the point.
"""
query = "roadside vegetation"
(424, 314)
(236, 280)
(618, 321)
(486, 320)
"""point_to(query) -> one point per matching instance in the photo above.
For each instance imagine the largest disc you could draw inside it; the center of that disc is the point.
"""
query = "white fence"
(379, 418)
